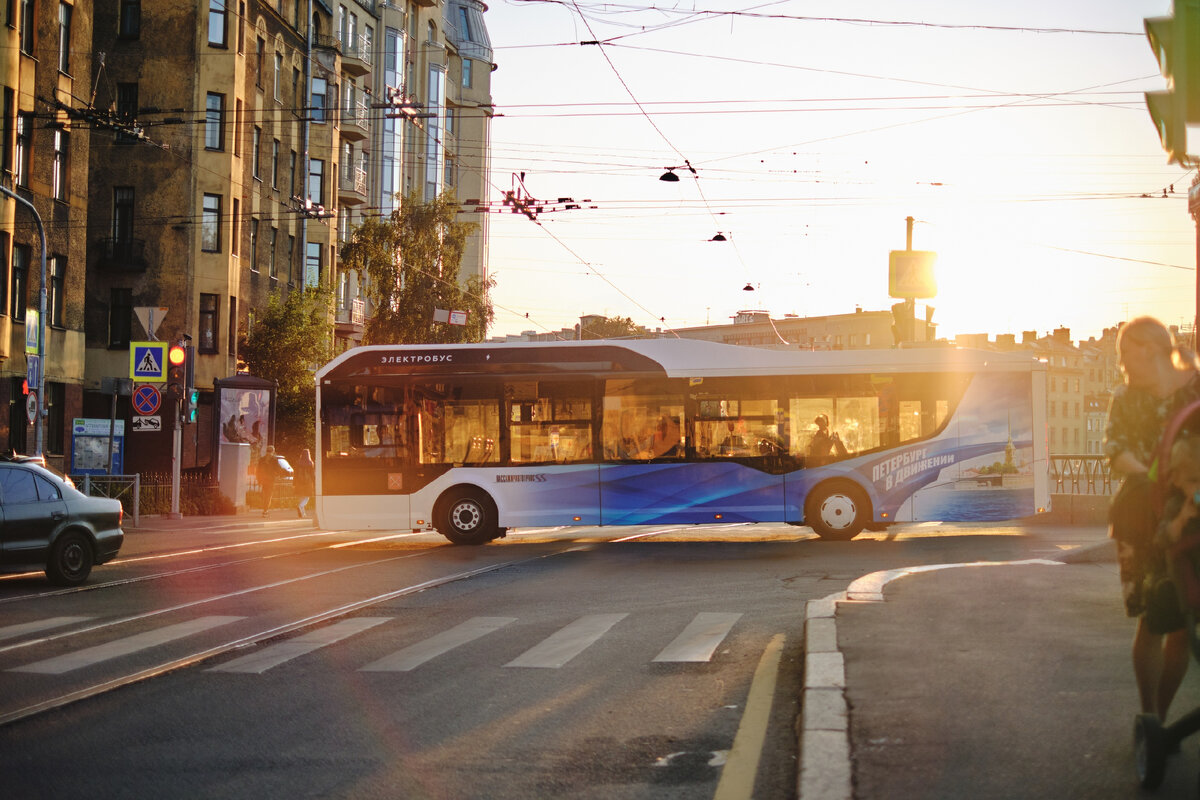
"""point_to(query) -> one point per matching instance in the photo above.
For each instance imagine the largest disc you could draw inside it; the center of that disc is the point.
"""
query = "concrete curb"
(826, 770)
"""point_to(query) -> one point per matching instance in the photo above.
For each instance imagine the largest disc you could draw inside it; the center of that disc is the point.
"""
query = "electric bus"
(473, 439)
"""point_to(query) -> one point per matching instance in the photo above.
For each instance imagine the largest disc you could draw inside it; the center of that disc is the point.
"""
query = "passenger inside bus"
(734, 443)
(824, 446)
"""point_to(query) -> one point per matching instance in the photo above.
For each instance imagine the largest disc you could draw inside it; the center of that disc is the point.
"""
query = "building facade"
(217, 153)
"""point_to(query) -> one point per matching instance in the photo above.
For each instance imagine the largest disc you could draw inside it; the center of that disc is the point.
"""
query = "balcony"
(356, 118)
(356, 56)
(122, 255)
(352, 186)
(349, 320)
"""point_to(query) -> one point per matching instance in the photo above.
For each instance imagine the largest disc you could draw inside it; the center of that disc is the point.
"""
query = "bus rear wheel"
(837, 511)
(468, 516)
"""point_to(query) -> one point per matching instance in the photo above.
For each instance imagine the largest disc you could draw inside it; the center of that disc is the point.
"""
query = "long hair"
(1148, 331)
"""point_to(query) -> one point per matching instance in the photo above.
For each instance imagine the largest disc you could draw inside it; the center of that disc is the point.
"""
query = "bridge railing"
(1081, 475)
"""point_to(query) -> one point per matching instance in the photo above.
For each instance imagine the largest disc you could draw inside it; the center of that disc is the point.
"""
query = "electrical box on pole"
(1176, 44)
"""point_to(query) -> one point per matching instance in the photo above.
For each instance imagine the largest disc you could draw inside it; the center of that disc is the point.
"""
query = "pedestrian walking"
(305, 475)
(267, 472)
(1160, 379)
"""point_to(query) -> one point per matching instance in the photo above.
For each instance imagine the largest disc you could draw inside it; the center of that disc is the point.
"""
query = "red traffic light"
(25, 386)
(176, 355)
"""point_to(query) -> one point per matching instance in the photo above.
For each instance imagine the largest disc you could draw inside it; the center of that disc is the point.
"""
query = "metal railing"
(1082, 475)
(126, 488)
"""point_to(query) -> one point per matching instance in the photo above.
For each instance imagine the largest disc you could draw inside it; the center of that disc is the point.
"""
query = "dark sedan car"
(46, 523)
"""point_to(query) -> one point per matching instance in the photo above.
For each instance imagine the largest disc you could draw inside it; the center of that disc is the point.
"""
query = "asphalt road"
(630, 663)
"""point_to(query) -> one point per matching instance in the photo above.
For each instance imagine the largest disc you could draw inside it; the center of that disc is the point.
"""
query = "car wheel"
(468, 517)
(70, 560)
(837, 511)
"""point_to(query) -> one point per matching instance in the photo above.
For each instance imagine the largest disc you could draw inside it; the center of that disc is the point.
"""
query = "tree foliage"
(609, 328)
(288, 337)
(411, 262)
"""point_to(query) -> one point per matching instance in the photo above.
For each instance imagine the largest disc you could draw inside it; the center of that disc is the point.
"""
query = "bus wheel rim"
(838, 511)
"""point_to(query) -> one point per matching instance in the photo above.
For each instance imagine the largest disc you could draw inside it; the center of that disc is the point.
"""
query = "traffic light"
(1176, 44)
(191, 395)
(176, 371)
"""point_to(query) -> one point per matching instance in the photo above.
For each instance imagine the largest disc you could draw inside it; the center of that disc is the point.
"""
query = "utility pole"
(41, 346)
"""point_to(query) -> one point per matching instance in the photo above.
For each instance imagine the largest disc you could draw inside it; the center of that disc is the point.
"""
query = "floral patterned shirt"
(1136, 419)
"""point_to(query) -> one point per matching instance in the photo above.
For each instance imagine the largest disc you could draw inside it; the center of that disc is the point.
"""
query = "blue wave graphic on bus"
(689, 493)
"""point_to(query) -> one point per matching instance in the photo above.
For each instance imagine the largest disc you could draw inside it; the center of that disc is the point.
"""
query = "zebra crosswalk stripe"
(562, 646)
(37, 626)
(415, 655)
(122, 647)
(281, 652)
(700, 639)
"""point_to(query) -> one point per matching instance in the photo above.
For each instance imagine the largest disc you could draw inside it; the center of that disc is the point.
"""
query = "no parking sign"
(146, 399)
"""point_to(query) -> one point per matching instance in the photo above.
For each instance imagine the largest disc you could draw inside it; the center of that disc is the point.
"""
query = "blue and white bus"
(474, 439)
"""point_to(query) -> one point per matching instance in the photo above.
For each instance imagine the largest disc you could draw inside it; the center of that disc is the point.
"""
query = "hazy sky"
(814, 129)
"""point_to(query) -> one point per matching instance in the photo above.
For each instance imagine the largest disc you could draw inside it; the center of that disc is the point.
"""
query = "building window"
(55, 297)
(3, 273)
(208, 323)
(255, 155)
(6, 156)
(233, 326)
(275, 164)
(241, 39)
(24, 148)
(217, 23)
(466, 73)
(319, 90)
(18, 293)
(120, 318)
(127, 108)
(64, 38)
(271, 269)
(464, 28)
(122, 219)
(235, 228)
(316, 180)
(254, 244)
(214, 122)
(56, 409)
(28, 27)
(312, 264)
(237, 128)
(258, 62)
(278, 73)
(292, 178)
(60, 169)
(210, 224)
(129, 19)
(291, 261)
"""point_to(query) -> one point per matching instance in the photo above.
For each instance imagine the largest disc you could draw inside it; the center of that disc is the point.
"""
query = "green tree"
(411, 261)
(596, 327)
(289, 336)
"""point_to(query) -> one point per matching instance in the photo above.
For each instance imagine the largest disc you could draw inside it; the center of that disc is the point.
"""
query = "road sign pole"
(176, 458)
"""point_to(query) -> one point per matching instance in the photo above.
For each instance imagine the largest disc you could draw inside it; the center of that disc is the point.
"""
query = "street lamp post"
(41, 345)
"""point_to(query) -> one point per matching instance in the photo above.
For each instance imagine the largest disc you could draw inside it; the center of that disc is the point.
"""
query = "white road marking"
(122, 647)
(281, 652)
(567, 643)
(414, 656)
(13, 631)
(700, 639)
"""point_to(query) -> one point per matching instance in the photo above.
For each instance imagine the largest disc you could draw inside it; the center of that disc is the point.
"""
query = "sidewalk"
(995, 681)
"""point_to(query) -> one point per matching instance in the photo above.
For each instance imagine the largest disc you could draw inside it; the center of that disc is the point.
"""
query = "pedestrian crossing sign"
(148, 361)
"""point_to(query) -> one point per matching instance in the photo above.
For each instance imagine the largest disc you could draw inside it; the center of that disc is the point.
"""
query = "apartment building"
(208, 155)
(45, 64)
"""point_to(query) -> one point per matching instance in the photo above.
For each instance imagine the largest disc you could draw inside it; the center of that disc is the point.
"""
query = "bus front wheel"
(468, 516)
(837, 511)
